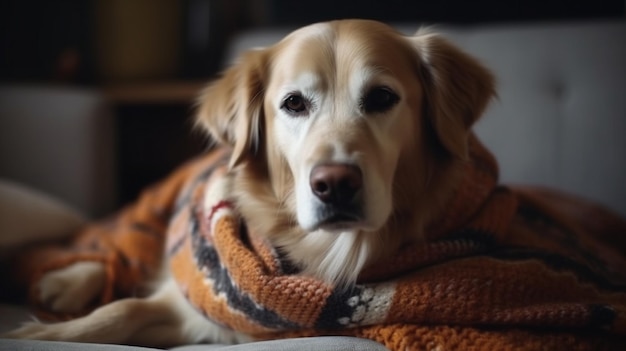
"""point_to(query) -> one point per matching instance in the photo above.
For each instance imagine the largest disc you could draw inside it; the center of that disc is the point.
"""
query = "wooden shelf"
(155, 93)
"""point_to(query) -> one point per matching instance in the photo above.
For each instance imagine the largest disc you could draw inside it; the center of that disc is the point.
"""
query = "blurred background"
(97, 42)
(144, 61)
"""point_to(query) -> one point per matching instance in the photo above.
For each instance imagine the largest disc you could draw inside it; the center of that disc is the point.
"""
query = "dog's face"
(341, 111)
(345, 121)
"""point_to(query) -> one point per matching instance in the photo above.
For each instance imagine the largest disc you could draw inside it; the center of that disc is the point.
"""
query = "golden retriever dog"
(344, 135)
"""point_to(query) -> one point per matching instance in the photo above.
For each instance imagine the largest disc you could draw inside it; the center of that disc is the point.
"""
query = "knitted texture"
(502, 269)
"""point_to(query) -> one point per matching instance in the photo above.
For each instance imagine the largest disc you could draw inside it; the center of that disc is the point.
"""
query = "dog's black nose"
(336, 184)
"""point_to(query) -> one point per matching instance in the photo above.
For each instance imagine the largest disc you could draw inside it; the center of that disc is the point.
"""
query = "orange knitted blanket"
(503, 269)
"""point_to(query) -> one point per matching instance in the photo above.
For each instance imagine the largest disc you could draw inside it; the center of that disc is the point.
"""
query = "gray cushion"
(298, 344)
(561, 114)
(27, 216)
(325, 343)
(35, 345)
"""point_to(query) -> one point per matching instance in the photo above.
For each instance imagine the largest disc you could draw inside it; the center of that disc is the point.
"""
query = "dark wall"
(448, 11)
(44, 40)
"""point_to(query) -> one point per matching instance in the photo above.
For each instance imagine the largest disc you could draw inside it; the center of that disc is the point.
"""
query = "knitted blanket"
(503, 269)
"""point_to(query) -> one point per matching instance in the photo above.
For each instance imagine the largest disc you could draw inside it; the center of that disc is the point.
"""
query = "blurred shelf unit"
(176, 92)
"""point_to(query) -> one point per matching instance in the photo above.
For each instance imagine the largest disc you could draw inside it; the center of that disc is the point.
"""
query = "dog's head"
(343, 117)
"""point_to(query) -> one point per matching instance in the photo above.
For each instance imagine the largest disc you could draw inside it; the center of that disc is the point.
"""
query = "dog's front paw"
(36, 331)
(72, 288)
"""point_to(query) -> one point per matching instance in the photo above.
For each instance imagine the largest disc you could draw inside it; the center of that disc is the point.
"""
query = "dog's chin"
(341, 225)
(340, 221)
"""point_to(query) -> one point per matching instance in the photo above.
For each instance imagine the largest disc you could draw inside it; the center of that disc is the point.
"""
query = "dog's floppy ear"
(231, 108)
(457, 87)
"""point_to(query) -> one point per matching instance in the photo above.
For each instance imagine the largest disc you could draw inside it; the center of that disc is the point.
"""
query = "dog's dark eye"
(379, 99)
(295, 104)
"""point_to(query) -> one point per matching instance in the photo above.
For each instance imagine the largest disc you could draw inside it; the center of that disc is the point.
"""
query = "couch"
(559, 121)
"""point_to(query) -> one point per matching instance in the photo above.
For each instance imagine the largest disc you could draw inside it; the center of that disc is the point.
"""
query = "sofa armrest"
(59, 140)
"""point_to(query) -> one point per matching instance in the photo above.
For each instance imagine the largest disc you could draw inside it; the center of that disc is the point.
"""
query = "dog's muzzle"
(339, 189)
